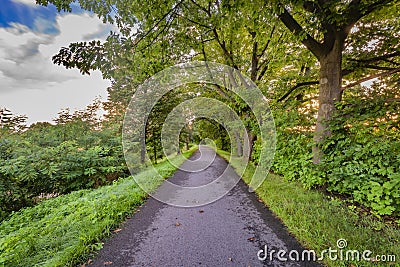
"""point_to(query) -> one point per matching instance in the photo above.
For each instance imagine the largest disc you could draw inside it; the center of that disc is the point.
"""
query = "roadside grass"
(65, 230)
(318, 221)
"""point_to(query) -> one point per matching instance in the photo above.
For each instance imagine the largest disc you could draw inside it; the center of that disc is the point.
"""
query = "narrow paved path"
(228, 232)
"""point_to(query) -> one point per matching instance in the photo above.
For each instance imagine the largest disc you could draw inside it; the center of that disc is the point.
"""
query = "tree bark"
(252, 139)
(239, 146)
(329, 54)
(188, 140)
(154, 151)
(329, 92)
(142, 148)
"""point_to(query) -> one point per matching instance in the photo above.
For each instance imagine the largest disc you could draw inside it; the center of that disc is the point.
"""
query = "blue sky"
(14, 12)
(30, 35)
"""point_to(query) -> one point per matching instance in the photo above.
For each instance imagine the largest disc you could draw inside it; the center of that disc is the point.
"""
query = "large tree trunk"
(248, 148)
(329, 93)
(142, 148)
(252, 139)
(188, 141)
(239, 147)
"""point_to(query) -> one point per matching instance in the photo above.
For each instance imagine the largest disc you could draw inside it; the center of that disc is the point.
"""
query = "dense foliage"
(47, 160)
(364, 150)
(63, 231)
(309, 58)
(361, 155)
(317, 219)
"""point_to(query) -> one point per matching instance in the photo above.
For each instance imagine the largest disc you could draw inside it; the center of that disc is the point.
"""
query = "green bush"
(62, 231)
(28, 170)
(361, 156)
(293, 156)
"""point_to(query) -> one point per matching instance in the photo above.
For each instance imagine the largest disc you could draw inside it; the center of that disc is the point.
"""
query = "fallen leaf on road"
(251, 238)
(88, 262)
(117, 230)
(260, 200)
(107, 262)
(229, 259)
(178, 224)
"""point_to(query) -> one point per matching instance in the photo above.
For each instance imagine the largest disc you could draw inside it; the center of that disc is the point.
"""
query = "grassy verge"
(318, 222)
(64, 230)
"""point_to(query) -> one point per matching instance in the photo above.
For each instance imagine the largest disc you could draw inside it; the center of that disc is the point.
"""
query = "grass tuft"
(318, 221)
(65, 230)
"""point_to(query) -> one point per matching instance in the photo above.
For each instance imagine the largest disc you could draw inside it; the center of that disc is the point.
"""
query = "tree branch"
(263, 71)
(378, 58)
(323, 14)
(374, 67)
(197, 23)
(314, 46)
(373, 6)
(390, 100)
(263, 63)
(219, 89)
(358, 10)
(158, 22)
(370, 78)
(194, 21)
(207, 11)
(391, 62)
(268, 42)
(224, 49)
(362, 63)
(295, 87)
(166, 28)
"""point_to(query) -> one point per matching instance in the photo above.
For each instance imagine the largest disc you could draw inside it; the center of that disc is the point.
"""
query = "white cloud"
(44, 104)
(22, 63)
(75, 28)
(31, 84)
(43, 25)
(26, 2)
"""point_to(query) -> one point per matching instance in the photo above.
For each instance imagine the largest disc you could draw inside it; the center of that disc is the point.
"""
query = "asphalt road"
(228, 232)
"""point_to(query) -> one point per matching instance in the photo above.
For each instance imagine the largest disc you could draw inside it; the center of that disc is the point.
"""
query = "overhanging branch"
(367, 63)
(378, 58)
(378, 75)
(314, 46)
(295, 87)
(357, 10)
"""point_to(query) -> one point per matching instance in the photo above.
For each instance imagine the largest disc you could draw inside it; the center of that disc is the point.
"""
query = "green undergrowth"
(318, 221)
(64, 230)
